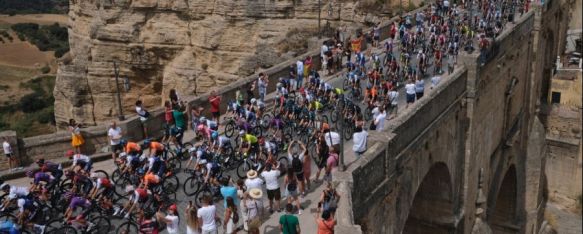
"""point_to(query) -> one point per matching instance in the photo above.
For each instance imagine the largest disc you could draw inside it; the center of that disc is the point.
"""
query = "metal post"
(319, 18)
(341, 130)
(120, 109)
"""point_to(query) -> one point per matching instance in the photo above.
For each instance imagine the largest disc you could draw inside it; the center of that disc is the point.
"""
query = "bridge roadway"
(309, 202)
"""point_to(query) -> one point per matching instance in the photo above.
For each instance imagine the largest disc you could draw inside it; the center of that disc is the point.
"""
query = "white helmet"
(253, 100)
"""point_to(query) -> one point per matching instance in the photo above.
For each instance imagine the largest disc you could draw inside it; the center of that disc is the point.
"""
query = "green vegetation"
(13, 7)
(45, 37)
(34, 113)
(46, 69)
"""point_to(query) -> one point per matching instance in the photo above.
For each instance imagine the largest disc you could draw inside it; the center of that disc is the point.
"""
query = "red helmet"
(69, 153)
(172, 207)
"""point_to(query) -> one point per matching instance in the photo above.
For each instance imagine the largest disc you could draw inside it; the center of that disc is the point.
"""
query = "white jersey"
(80, 158)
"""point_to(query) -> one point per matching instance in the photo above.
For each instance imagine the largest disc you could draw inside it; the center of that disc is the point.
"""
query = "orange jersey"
(156, 147)
(132, 147)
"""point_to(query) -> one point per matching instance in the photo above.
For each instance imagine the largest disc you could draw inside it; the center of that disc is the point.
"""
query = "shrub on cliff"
(13, 7)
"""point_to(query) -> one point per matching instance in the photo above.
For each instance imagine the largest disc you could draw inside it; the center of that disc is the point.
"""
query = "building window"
(555, 97)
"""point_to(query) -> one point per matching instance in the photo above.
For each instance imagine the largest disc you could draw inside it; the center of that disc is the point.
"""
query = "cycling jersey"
(338, 91)
(41, 176)
(151, 178)
(223, 141)
(155, 163)
(25, 204)
(249, 138)
(149, 226)
(156, 148)
(79, 202)
(140, 195)
(317, 105)
(9, 227)
(18, 192)
(132, 148)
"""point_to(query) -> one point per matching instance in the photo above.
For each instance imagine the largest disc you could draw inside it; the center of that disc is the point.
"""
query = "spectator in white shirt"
(114, 135)
(207, 215)
(359, 138)
(332, 139)
(171, 219)
(379, 121)
(410, 90)
(253, 181)
(394, 101)
(12, 162)
(434, 81)
(271, 177)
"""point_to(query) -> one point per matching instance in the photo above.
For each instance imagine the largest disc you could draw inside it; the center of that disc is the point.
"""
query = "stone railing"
(369, 179)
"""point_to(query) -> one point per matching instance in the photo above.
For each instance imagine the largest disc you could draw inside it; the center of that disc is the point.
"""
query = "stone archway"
(432, 210)
(503, 215)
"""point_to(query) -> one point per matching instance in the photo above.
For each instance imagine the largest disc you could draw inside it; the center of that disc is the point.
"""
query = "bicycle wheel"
(128, 227)
(230, 129)
(171, 184)
(334, 116)
(6, 217)
(265, 120)
(101, 225)
(348, 130)
(257, 131)
(242, 169)
(174, 164)
(191, 185)
(115, 175)
(101, 174)
(120, 186)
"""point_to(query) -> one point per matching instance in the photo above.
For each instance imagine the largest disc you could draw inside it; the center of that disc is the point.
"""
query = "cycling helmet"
(29, 173)
(214, 135)
(173, 207)
(253, 100)
(242, 132)
(123, 142)
(146, 144)
(40, 161)
(200, 128)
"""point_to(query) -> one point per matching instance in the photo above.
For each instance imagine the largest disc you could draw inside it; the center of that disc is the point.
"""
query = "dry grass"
(23, 54)
(35, 18)
(10, 79)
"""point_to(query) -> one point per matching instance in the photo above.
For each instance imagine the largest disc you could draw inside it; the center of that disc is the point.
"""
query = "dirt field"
(23, 54)
(35, 18)
(11, 77)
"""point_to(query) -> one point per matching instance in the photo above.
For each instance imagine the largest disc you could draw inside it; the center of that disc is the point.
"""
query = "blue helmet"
(214, 135)
(123, 142)
(146, 144)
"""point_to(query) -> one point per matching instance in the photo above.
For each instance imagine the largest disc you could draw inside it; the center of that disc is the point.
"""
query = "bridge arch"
(503, 212)
(432, 210)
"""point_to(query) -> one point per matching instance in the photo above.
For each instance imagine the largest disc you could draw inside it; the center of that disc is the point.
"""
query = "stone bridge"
(469, 156)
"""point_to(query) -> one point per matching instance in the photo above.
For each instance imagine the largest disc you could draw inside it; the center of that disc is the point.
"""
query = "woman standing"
(326, 223)
(291, 185)
(192, 222)
(307, 170)
(144, 115)
(76, 138)
(230, 217)
(322, 151)
(242, 194)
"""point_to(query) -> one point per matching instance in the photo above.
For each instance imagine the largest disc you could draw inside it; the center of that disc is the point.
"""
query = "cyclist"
(14, 192)
(219, 143)
(250, 141)
(106, 185)
(156, 148)
(131, 148)
(55, 169)
(78, 201)
(80, 161)
(44, 177)
(139, 197)
(9, 227)
(148, 223)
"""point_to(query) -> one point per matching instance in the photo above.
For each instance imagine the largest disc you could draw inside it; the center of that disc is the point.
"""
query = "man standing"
(207, 215)
(359, 139)
(179, 123)
(114, 135)
(300, 72)
(379, 121)
(289, 223)
(12, 161)
(271, 177)
(262, 86)
(215, 102)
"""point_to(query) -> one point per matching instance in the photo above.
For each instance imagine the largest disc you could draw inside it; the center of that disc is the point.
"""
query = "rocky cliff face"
(189, 45)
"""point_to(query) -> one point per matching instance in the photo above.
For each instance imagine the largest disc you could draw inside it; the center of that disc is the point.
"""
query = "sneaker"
(299, 212)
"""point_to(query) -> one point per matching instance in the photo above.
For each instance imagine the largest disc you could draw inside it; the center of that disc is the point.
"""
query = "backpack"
(297, 164)
(292, 186)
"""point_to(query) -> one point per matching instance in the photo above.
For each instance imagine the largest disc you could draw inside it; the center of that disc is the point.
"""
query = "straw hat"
(251, 174)
(256, 193)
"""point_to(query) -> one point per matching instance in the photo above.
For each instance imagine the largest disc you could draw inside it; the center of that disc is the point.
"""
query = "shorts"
(216, 114)
(410, 98)
(376, 38)
(419, 94)
(300, 176)
(274, 194)
(8, 155)
(116, 148)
